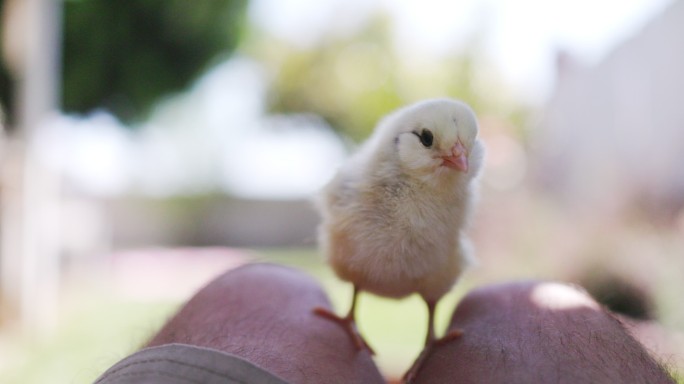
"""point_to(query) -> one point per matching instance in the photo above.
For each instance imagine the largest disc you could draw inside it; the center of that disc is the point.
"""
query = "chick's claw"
(449, 337)
(412, 373)
(348, 325)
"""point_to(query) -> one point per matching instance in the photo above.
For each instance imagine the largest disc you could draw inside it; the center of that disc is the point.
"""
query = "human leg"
(538, 333)
(263, 313)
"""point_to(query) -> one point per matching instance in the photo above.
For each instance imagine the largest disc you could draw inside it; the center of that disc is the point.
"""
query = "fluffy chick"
(393, 216)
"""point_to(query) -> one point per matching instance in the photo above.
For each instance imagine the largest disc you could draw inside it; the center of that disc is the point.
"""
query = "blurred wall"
(209, 221)
(613, 134)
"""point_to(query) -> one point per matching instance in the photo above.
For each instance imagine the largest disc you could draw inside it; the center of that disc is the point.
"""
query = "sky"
(521, 36)
(217, 134)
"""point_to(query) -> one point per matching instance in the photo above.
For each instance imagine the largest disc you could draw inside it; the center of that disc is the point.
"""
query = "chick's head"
(436, 137)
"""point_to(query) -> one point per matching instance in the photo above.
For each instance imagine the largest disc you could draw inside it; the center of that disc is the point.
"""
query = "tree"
(354, 80)
(125, 56)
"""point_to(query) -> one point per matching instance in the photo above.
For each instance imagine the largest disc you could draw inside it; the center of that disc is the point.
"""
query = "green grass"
(100, 327)
(87, 340)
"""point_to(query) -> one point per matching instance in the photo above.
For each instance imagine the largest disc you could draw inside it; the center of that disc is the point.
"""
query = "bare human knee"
(263, 313)
(539, 332)
(237, 297)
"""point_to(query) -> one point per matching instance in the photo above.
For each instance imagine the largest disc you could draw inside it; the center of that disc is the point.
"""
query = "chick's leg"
(431, 339)
(348, 323)
(431, 342)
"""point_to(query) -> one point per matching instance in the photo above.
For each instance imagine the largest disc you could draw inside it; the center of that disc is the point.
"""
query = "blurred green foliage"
(7, 105)
(353, 80)
(6, 93)
(125, 56)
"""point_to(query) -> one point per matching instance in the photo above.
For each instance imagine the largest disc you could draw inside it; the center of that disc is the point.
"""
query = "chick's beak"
(458, 159)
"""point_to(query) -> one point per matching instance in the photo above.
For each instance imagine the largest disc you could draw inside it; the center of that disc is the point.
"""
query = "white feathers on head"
(447, 121)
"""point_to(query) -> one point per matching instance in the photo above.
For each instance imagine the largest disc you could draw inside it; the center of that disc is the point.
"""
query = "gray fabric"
(185, 364)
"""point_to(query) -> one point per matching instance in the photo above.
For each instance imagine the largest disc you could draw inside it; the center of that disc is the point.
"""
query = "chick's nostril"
(458, 149)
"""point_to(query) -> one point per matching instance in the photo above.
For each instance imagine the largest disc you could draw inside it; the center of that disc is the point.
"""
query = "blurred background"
(148, 146)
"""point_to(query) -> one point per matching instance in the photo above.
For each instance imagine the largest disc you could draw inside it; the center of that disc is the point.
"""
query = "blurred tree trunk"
(29, 262)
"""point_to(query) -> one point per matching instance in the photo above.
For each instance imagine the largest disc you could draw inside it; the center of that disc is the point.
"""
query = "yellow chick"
(393, 217)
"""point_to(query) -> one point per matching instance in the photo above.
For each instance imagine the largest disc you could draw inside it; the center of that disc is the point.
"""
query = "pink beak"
(458, 159)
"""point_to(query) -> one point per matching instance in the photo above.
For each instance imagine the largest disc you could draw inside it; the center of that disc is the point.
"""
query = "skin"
(535, 332)
(528, 332)
(263, 313)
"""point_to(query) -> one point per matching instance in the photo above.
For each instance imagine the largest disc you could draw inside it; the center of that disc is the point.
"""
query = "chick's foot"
(430, 346)
(349, 325)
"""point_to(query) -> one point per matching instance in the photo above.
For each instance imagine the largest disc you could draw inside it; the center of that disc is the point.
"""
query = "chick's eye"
(425, 137)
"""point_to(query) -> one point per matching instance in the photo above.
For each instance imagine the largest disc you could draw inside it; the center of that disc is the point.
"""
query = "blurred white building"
(612, 137)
